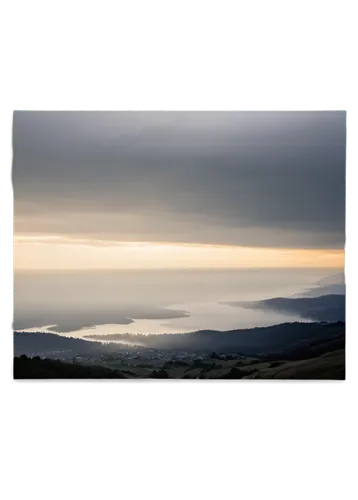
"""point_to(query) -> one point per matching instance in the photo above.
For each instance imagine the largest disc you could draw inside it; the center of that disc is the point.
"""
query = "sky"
(102, 190)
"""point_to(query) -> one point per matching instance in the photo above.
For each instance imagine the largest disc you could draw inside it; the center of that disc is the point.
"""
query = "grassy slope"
(329, 366)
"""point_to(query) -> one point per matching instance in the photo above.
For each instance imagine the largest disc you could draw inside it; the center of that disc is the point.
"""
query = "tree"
(159, 374)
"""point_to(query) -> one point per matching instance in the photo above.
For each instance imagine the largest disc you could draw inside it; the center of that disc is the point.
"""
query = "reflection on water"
(152, 302)
(203, 317)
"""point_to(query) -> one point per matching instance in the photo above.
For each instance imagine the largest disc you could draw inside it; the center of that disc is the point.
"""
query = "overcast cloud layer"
(265, 179)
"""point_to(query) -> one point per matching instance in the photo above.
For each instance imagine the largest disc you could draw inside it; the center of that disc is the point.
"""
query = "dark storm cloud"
(271, 179)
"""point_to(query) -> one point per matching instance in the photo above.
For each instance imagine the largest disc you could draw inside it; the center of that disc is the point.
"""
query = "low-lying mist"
(80, 303)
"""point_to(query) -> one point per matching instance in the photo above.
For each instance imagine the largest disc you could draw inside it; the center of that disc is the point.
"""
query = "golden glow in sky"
(57, 252)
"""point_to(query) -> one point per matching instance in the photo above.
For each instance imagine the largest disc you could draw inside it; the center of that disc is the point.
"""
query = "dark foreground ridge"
(288, 351)
(37, 368)
(330, 366)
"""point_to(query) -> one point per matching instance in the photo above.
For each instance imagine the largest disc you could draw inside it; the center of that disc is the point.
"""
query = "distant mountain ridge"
(334, 284)
(285, 336)
(330, 308)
